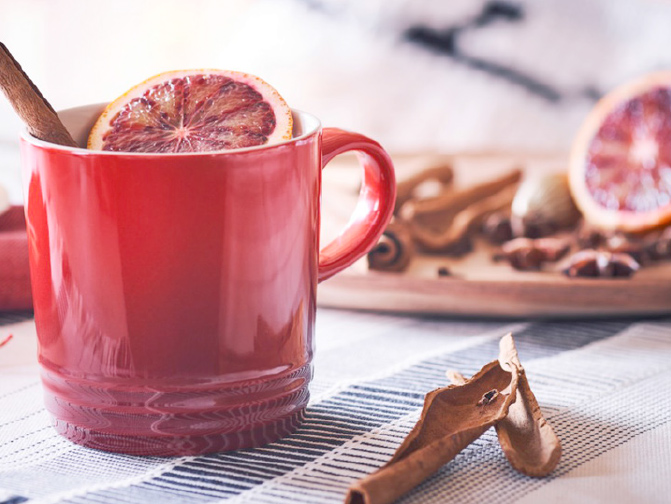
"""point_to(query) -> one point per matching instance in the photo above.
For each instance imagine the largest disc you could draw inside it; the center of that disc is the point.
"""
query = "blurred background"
(417, 75)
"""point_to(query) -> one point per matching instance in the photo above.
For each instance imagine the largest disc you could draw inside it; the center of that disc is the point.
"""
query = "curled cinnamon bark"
(405, 189)
(527, 440)
(394, 250)
(450, 202)
(452, 418)
(455, 240)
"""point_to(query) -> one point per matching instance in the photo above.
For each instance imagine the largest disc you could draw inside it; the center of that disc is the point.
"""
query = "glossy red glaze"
(174, 295)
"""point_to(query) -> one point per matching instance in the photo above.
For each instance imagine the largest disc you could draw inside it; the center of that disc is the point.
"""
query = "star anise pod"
(660, 249)
(588, 237)
(533, 227)
(526, 254)
(497, 228)
(635, 247)
(601, 263)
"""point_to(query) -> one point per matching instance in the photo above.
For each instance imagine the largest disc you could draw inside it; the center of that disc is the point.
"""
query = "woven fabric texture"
(601, 384)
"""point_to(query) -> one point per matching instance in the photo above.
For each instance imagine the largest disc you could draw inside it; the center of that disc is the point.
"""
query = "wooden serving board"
(477, 285)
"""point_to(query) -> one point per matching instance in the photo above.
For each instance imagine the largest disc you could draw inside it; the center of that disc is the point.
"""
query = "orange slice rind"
(193, 111)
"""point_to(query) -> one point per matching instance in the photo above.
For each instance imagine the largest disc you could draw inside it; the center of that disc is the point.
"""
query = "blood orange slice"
(620, 166)
(193, 111)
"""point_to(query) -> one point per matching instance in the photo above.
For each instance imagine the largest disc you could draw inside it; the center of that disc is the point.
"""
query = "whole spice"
(436, 213)
(636, 248)
(406, 189)
(444, 271)
(660, 249)
(29, 104)
(525, 254)
(450, 421)
(497, 228)
(394, 250)
(533, 227)
(588, 237)
(465, 223)
(604, 264)
(455, 416)
(528, 441)
(543, 204)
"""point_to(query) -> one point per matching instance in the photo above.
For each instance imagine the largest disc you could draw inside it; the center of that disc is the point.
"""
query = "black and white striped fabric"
(603, 385)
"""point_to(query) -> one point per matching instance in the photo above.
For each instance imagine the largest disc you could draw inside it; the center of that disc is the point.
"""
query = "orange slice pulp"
(620, 165)
(193, 111)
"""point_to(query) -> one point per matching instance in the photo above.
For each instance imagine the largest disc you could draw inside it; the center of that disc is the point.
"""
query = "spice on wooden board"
(444, 271)
(543, 205)
(394, 250)
(601, 264)
(637, 248)
(455, 416)
(526, 254)
(436, 214)
(406, 189)
(661, 248)
(463, 226)
(534, 222)
(497, 228)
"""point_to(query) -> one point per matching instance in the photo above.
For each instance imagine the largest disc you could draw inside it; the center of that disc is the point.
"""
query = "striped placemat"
(603, 385)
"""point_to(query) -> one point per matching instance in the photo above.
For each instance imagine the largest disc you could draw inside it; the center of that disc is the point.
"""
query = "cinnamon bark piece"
(451, 202)
(394, 250)
(29, 104)
(452, 418)
(455, 240)
(528, 441)
(443, 174)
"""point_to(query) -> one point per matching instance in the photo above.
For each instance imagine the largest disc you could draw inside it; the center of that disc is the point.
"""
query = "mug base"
(170, 446)
(157, 419)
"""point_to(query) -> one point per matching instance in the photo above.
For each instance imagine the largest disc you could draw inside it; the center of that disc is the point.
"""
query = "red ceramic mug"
(174, 294)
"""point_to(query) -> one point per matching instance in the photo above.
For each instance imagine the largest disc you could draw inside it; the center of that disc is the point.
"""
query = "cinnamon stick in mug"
(29, 104)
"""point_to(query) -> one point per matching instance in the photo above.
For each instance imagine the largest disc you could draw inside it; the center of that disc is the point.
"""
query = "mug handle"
(374, 207)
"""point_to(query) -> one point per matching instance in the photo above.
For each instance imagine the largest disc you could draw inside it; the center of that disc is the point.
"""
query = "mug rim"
(26, 136)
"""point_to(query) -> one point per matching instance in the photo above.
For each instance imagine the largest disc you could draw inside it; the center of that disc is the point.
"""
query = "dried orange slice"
(193, 111)
(620, 165)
